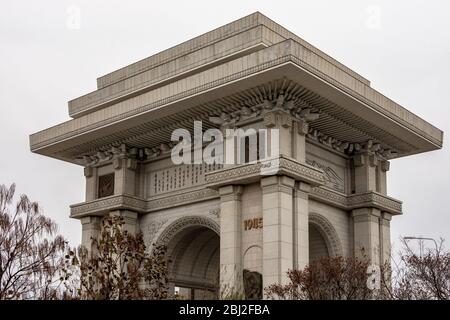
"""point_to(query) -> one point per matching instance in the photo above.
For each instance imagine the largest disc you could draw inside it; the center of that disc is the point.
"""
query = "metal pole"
(423, 238)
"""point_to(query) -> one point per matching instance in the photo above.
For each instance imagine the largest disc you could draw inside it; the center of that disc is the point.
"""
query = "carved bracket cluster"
(371, 148)
(329, 141)
(372, 154)
(118, 153)
(368, 147)
(293, 110)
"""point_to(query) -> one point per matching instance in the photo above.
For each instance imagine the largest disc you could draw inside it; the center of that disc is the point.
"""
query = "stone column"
(277, 206)
(385, 237)
(230, 240)
(301, 225)
(366, 233)
(91, 228)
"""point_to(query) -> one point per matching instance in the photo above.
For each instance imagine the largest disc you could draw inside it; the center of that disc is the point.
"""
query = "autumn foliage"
(335, 278)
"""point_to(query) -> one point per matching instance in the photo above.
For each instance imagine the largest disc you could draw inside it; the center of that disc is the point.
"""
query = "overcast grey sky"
(53, 51)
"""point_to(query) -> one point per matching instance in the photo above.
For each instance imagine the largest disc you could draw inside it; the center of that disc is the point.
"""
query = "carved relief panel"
(333, 166)
(105, 185)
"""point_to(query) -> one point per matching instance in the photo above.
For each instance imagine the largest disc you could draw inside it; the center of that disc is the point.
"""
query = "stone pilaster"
(383, 168)
(385, 237)
(366, 232)
(365, 172)
(130, 218)
(301, 225)
(90, 174)
(283, 122)
(91, 228)
(277, 206)
(229, 146)
(230, 240)
(299, 140)
(371, 226)
(125, 175)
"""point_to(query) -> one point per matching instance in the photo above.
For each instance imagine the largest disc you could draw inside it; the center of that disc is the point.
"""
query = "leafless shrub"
(31, 252)
(117, 267)
(422, 276)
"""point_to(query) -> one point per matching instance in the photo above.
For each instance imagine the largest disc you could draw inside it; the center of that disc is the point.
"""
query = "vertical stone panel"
(230, 240)
(130, 220)
(125, 176)
(367, 233)
(277, 205)
(385, 237)
(91, 183)
(91, 227)
(301, 225)
(365, 173)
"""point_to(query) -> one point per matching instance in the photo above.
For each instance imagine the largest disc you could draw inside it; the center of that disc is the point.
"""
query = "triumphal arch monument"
(325, 195)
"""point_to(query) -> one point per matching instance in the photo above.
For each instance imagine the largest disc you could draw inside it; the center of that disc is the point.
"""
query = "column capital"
(230, 192)
(130, 219)
(364, 159)
(386, 218)
(303, 187)
(278, 118)
(126, 214)
(366, 214)
(277, 183)
(90, 220)
(128, 163)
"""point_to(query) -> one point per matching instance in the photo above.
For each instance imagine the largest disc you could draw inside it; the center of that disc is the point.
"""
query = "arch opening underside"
(194, 263)
(194, 255)
(318, 247)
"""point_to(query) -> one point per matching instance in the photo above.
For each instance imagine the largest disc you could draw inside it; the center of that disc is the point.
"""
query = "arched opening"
(194, 255)
(323, 239)
(318, 247)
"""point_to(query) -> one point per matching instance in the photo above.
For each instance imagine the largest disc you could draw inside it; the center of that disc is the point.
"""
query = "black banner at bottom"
(184, 309)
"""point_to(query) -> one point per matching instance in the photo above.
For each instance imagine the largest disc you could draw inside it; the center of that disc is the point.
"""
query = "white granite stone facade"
(327, 197)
